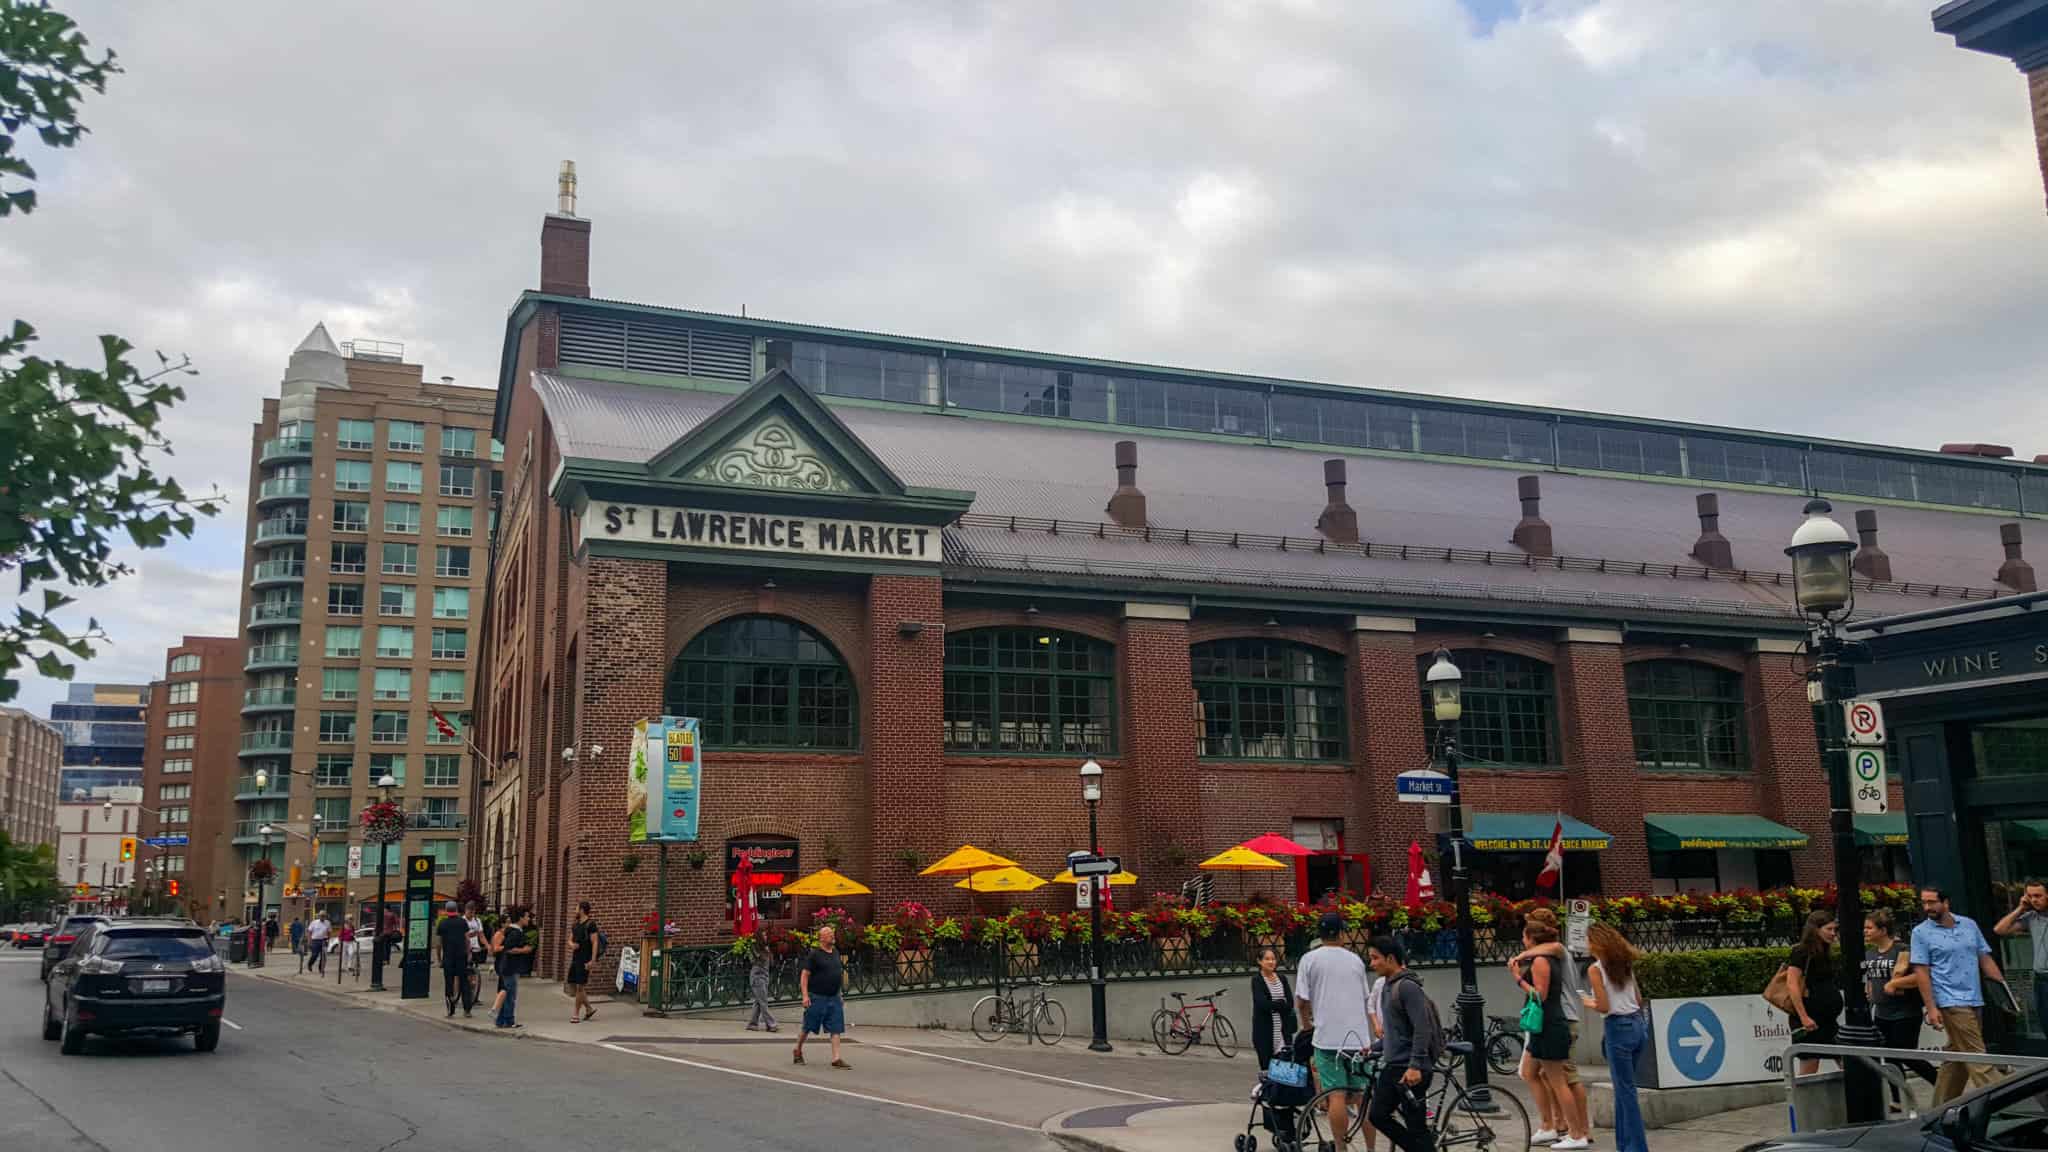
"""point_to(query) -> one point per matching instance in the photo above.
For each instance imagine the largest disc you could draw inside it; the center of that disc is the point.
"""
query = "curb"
(365, 1001)
(1073, 1138)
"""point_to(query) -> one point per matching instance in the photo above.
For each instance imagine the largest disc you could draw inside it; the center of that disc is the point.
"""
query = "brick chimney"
(1871, 562)
(1987, 451)
(2015, 573)
(1532, 532)
(1338, 523)
(565, 242)
(1712, 548)
(1127, 504)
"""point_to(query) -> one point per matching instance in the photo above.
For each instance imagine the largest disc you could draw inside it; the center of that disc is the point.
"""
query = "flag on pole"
(1421, 889)
(442, 724)
(1553, 860)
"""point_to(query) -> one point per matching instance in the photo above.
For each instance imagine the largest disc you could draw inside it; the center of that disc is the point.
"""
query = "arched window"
(764, 682)
(1687, 716)
(1510, 709)
(1267, 700)
(1028, 690)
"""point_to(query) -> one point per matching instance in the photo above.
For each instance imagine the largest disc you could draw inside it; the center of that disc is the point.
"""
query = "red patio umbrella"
(1421, 888)
(1274, 844)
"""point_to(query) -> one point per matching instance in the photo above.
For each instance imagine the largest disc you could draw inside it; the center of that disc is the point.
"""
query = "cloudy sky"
(1816, 217)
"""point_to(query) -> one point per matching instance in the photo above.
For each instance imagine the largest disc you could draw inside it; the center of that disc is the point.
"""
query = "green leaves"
(44, 69)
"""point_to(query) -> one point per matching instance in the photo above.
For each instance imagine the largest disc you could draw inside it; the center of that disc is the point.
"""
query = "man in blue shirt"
(1952, 960)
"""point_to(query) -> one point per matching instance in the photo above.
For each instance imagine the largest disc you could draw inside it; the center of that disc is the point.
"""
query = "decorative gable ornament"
(771, 454)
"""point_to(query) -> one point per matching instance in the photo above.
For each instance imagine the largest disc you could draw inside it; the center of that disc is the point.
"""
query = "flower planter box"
(914, 965)
(1024, 959)
(1174, 953)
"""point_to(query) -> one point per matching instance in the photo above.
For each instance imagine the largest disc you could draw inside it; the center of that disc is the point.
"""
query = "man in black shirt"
(513, 960)
(823, 974)
(451, 935)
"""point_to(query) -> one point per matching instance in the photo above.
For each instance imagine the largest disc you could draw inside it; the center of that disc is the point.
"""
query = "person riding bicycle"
(1407, 1051)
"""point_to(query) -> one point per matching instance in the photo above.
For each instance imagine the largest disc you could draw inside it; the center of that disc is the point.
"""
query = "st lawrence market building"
(909, 587)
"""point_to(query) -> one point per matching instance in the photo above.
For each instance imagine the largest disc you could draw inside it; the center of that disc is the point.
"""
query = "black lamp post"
(1824, 587)
(385, 784)
(1446, 700)
(262, 877)
(1098, 992)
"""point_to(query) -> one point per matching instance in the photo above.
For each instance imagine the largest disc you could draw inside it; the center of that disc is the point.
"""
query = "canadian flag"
(1553, 860)
(441, 724)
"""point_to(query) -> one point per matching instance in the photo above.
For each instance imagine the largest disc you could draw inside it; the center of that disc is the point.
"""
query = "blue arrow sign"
(1696, 1041)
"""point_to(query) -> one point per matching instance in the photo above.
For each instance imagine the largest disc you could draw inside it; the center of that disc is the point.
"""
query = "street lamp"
(1446, 702)
(1098, 993)
(256, 927)
(1824, 588)
(385, 784)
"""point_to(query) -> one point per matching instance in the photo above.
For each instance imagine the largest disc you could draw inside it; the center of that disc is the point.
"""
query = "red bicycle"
(1177, 1029)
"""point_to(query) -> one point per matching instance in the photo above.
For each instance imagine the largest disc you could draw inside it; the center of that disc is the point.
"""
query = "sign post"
(417, 967)
(663, 781)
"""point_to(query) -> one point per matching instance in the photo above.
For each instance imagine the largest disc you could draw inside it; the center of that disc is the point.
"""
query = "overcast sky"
(1816, 217)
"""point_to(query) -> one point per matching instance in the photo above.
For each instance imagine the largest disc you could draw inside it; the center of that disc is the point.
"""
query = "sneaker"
(1544, 1137)
(841, 1064)
(799, 1058)
(1571, 1144)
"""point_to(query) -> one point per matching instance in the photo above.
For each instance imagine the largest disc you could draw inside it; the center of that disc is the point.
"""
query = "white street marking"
(1020, 1072)
(231, 1023)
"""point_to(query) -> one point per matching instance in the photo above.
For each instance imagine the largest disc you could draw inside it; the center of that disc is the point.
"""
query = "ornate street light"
(1446, 701)
(1098, 992)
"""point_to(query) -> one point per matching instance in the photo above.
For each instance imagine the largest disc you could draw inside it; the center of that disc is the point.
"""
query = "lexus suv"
(141, 975)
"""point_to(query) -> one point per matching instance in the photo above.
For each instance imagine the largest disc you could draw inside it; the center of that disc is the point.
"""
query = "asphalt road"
(309, 1072)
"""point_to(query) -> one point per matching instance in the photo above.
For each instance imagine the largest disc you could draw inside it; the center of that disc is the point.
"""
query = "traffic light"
(127, 849)
(171, 888)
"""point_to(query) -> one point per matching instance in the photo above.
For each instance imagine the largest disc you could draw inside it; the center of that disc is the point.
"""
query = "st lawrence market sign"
(704, 528)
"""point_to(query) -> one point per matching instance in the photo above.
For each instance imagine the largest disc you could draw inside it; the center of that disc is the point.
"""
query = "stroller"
(1277, 1105)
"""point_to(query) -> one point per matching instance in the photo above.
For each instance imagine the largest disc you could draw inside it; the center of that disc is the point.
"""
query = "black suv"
(57, 941)
(141, 975)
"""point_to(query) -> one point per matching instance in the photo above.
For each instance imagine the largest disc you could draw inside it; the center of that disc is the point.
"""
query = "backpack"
(1429, 1037)
(597, 949)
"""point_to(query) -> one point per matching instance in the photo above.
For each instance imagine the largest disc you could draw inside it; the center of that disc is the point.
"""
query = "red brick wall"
(1786, 758)
(1159, 756)
(906, 753)
(1604, 788)
(1387, 740)
(1240, 801)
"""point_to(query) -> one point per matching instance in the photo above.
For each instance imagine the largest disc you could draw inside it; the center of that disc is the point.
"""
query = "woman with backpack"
(1612, 979)
(1810, 979)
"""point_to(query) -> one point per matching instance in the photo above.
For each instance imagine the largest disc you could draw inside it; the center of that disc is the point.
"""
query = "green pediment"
(776, 437)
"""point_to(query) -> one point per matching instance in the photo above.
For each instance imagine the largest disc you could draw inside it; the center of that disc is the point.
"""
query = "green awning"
(1888, 830)
(1530, 832)
(1678, 831)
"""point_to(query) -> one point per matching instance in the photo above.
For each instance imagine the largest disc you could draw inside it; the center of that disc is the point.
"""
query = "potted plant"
(630, 863)
(695, 858)
(830, 850)
(910, 859)
(915, 930)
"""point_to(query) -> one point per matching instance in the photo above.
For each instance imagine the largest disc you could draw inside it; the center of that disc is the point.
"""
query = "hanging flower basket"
(383, 823)
(261, 871)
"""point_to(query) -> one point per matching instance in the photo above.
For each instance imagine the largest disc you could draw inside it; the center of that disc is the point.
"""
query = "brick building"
(189, 769)
(2016, 30)
(31, 763)
(909, 586)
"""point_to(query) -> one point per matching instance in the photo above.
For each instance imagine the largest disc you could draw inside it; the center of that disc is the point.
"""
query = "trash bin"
(238, 946)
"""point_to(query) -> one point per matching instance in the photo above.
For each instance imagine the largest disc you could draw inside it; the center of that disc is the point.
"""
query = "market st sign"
(689, 528)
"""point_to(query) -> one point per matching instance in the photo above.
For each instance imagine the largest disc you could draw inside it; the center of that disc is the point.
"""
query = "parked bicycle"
(1176, 1030)
(1026, 1010)
(1503, 1043)
(1456, 1118)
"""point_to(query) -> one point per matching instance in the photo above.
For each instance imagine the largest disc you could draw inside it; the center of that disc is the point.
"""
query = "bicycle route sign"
(1867, 783)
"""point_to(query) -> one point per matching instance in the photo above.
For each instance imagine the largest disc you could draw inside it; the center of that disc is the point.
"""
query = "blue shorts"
(826, 1014)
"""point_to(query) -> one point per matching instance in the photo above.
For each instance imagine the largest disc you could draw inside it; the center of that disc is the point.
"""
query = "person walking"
(2030, 919)
(1893, 990)
(473, 935)
(1816, 993)
(583, 936)
(760, 1020)
(1272, 1009)
(268, 927)
(348, 945)
(1576, 1123)
(1407, 1054)
(1329, 995)
(824, 1010)
(1612, 991)
(516, 955)
(1550, 1047)
(1951, 960)
(451, 938)
(317, 935)
(298, 931)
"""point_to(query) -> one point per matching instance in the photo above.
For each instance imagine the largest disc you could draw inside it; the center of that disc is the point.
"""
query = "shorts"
(1333, 1071)
(1571, 1064)
(826, 1014)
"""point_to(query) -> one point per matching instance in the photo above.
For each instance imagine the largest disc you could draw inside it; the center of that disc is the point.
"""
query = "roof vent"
(2042, 458)
(1712, 548)
(1532, 532)
(1870, 562)
(1988, 451)
(2015, 573)
(1338, 523)
(1127, 504)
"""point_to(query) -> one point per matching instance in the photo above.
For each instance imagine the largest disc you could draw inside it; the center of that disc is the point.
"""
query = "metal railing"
(1889, 1062)
(284, 487)
(277, 785)
(286, 448)
(266, 741)
(268, 654)
(269, 698)
(274, 611)
(280, 570)
(436, 820)
(280, 529)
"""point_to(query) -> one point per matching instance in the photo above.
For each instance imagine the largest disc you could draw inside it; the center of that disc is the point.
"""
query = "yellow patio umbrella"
(1010, 879)
(1240, 859)
(1115, 879)
(826, 882)
(968, 858)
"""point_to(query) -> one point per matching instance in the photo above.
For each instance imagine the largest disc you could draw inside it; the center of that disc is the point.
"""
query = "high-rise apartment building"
(369, 530)
(31, 757)
(102, 727)
(190, 772)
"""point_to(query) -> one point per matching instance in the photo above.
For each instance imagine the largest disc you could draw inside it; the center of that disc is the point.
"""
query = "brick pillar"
(905, 736)
(622, 666)
(1602, 788)
(1387, 739)
(1161, 778)
(1791, 787)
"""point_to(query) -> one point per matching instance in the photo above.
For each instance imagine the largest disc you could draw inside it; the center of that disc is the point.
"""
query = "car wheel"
(52, 1028)
(208, 1036)
(73, 1035)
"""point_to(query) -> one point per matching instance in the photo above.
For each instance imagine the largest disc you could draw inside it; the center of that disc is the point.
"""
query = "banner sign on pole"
(1867, 783)
(1866, 722)
(664, 779)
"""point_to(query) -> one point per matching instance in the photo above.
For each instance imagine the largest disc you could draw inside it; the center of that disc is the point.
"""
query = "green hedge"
(1716, 972)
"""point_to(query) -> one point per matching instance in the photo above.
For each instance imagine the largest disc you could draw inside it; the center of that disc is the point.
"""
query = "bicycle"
(1455, 1118)
(1175, 1030)
(1037, 1015)
(1503, 1044)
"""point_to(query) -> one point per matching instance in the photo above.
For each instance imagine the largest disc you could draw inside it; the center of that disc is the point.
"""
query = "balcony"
(284, 488)
(275, 612)
(266, 743)
(437, 821)
(281, 530)
(278, 572)
(250, 832)
(277, 787)
(287, 448)
(269, 700)
(271, 656)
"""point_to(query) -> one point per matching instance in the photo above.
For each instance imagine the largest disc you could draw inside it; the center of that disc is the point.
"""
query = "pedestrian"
(299, 940)
(1951, 960)
(269, 930)
(1407, 1054)
(1272, 1009)
(497, 949)
(760, 1020)
(1612, 991)
(514, 958)
(473, 932)
(1329, 995)
(317, 934)
(824, 973)
(583, 938)
(348, 944)
(1576, 1123)
(2030, 918)
(1550, 1046)
(1894, 991)
(451, 936)
(393, 933)
(1810, 978)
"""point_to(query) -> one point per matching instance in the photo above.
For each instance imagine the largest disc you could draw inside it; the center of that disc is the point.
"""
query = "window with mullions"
(1025, 690)
(1510, 709)
(1266, 700)
(1687, 717)
(764, 682)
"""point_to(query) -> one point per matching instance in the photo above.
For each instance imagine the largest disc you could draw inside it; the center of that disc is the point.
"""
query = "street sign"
(1081, 893)
(1096, 865)
(1714, 1040)
(1866, 722)
(1578, 922)
(1425, 786)
(1866, 782)
(355, 861)
(167, 841)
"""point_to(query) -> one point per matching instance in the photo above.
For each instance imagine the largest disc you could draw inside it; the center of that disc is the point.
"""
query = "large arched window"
(764, 682)
(1267, 700)
(1027, 690)
(1687, 716)
(1510, 709)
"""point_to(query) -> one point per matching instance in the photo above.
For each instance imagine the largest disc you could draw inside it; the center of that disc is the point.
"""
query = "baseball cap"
(1332, 924)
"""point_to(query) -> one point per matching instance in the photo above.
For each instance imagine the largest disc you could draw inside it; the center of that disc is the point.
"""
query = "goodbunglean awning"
(1530, 832)
(1881, 831)
(1678, 831)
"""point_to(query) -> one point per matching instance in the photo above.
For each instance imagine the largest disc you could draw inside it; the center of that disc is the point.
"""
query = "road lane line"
(819, 1088)
(231, 1023)
(1020, 1072)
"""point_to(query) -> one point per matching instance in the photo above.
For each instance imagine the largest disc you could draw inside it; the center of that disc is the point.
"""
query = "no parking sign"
(1866, 722)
